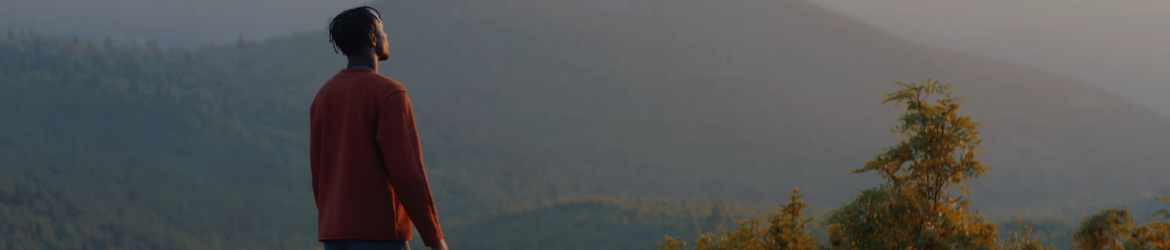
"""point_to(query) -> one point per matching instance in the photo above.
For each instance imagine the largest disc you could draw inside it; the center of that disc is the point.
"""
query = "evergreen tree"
(152, 44)
(240, 43)
(788, 229)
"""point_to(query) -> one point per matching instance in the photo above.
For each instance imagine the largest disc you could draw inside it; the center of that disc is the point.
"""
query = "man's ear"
(373, 39)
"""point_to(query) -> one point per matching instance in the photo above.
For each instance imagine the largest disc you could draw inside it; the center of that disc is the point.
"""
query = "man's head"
(358, 32)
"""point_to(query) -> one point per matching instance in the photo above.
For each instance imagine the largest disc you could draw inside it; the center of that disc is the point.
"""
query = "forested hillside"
(118, 147)
(106, 145)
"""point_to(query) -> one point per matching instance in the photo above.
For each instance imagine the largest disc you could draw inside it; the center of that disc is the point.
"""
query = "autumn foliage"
(1113, 229)
(782, 229)
(913, 208)
(916, 207)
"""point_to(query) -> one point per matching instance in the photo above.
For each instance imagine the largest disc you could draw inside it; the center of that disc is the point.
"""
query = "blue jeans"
(365, 245)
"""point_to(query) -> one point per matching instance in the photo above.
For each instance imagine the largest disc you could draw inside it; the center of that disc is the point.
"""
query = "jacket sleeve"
(402, 156)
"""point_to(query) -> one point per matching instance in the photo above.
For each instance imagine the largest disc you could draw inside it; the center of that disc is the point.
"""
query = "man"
(368, 178)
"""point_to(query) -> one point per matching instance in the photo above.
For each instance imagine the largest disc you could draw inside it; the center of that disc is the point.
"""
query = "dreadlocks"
(351, 29)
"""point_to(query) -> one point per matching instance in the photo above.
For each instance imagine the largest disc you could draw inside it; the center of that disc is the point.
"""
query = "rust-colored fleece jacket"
(368, 177)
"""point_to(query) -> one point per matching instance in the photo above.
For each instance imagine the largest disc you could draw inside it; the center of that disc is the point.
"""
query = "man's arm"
(398, 140)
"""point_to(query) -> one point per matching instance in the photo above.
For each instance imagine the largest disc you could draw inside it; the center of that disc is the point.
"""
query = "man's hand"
(441, 246)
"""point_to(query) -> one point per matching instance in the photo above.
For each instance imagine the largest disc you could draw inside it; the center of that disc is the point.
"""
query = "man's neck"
(365, 61)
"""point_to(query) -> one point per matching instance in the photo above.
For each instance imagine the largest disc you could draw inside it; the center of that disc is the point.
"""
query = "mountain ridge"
(824, 52)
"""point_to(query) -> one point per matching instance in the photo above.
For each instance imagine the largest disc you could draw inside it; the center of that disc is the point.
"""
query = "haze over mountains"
(1115, 45)
(524, 100)
(751, 97)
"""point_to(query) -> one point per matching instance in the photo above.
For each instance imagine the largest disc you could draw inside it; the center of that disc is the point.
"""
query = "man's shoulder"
(386, 82)
(351, 85)
(383, 87)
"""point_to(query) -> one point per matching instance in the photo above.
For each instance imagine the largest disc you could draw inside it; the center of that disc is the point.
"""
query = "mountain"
(519, 101)
(738, 99)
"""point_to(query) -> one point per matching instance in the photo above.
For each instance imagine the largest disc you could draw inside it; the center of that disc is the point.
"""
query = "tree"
(788, 230)
(153, 44)
(913, 210)
(1154, 234)
(1114, 229)
(1023, 239)
(785, 230)
(1105, 230)
(240, 43)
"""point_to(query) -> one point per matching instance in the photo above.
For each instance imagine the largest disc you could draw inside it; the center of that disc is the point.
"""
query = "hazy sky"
(172, 22)
(1123, 45)
(1118, 44)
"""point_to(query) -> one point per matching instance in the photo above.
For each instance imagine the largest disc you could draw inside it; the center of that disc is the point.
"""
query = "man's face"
(381, 46)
